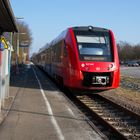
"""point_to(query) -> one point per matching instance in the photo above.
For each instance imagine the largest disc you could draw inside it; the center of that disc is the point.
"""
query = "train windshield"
(94, 47)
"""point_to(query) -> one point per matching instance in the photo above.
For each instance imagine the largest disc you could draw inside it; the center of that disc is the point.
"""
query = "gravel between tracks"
(125, 97)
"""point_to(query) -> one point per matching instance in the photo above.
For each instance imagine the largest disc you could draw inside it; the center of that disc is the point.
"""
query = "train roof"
(89, 28)
(57, 39)
(77, 28)
(43, 48)
(60, 37)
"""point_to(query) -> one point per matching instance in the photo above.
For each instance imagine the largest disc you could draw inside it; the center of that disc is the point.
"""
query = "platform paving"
(39, 111)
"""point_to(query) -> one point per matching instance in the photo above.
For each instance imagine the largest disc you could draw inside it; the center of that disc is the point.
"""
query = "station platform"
(38, 110)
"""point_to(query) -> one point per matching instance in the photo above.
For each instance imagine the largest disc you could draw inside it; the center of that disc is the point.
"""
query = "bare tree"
(25, 40)
(128, 51)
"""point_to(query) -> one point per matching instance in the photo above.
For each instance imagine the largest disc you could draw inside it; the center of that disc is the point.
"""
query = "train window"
(89, 39)
(57, 48)
(94, 46)
(65, 50)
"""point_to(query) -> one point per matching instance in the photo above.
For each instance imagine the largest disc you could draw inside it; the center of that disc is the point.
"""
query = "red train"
(82, 58)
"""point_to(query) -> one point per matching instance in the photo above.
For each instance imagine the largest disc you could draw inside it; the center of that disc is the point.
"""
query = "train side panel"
(71, 62)
(116, 74)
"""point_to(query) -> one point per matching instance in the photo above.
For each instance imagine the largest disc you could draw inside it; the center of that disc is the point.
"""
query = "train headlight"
(82, 65)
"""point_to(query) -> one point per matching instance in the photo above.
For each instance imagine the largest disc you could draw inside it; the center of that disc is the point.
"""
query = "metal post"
(17, 49)
(9, 64)
(22, 55)
(17, 54)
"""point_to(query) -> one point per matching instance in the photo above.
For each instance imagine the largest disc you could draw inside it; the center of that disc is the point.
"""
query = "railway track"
(113, 120)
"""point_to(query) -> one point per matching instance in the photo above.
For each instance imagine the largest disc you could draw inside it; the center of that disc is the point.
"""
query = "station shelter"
(7, 24)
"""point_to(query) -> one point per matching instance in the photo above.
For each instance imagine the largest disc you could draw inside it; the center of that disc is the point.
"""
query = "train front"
(97, 58)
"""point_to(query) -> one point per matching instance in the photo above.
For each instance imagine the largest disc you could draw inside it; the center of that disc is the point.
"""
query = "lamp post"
(17, 49)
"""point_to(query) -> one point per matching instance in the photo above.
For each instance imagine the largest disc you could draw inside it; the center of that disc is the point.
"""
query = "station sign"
(24, 45)
(3, 43)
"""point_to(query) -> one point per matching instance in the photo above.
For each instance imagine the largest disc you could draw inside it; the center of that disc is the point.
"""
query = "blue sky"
(48, 18)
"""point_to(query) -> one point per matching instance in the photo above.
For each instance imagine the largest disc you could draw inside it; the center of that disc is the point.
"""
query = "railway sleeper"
(89, 103)
(95, 107)
(98, 111)
(126, 134)
(119, 128)
(110, 119)
(112, 122)
(101, 114)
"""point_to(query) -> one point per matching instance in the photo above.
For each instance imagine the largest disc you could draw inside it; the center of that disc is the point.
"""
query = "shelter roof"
(7, 19)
